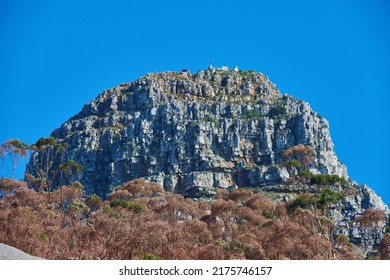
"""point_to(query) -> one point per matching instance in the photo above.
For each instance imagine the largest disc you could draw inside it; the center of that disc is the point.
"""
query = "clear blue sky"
(55, 56)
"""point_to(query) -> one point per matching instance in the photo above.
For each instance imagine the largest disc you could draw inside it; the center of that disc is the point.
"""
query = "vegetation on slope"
(142, 221)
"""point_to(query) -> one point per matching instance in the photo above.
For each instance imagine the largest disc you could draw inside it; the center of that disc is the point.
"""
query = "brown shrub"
(384, 247)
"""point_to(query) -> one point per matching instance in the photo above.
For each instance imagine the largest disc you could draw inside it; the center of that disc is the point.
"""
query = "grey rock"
(209, 129)
(194, 133)
(11, 253)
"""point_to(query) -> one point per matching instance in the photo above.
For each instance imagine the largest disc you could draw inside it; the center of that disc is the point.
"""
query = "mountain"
(196, 133)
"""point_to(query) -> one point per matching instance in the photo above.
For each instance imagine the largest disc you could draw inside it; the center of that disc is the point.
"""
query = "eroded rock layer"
(193, 132)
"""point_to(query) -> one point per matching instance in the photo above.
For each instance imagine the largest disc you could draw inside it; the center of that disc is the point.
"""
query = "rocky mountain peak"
(212, 82)
(195, 132)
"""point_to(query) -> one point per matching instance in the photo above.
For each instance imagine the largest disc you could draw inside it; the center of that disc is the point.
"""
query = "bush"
(119, 203)
(306, 174)
(211, 119)
(93, 201)
(329, 196)
(136, 207)
(151, 257)
(301, 153)
(293, 163)
(276, 111)
(240, 194)
(384, 247)
(326, 179)
(253, 114)
(78, 206)
(139, 188)
(321, 199)
(110, 213)
(341, 239)
(303, 201)
(8, 187)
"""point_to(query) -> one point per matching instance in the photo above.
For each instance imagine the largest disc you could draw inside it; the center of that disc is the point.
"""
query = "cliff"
(194, 133)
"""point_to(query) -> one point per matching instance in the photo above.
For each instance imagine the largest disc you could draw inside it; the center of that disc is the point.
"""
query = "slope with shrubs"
(141, 221)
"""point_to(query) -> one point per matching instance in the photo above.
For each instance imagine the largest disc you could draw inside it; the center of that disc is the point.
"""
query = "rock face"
(193, 133)
(352, 207)
(358, 199)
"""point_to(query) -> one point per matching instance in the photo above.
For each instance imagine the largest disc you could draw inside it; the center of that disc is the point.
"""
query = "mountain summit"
(217, 128)
(195, 132)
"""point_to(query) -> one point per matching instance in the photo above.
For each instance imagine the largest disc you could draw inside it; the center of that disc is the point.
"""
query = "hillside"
(142, 221)
(197, 135)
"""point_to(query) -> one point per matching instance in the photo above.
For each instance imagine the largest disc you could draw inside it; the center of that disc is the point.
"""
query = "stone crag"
(193, 133)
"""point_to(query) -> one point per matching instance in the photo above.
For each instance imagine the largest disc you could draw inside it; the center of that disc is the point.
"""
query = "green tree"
(71, 170)
(15, 150)
(328, 197)
(326, 179)
(49, 165)
(46, 151)
(277, 111)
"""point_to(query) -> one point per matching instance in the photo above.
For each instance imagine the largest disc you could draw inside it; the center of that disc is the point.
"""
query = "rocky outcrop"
(352, 207)
(357, 199)
(11, 253)
(194, 132)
